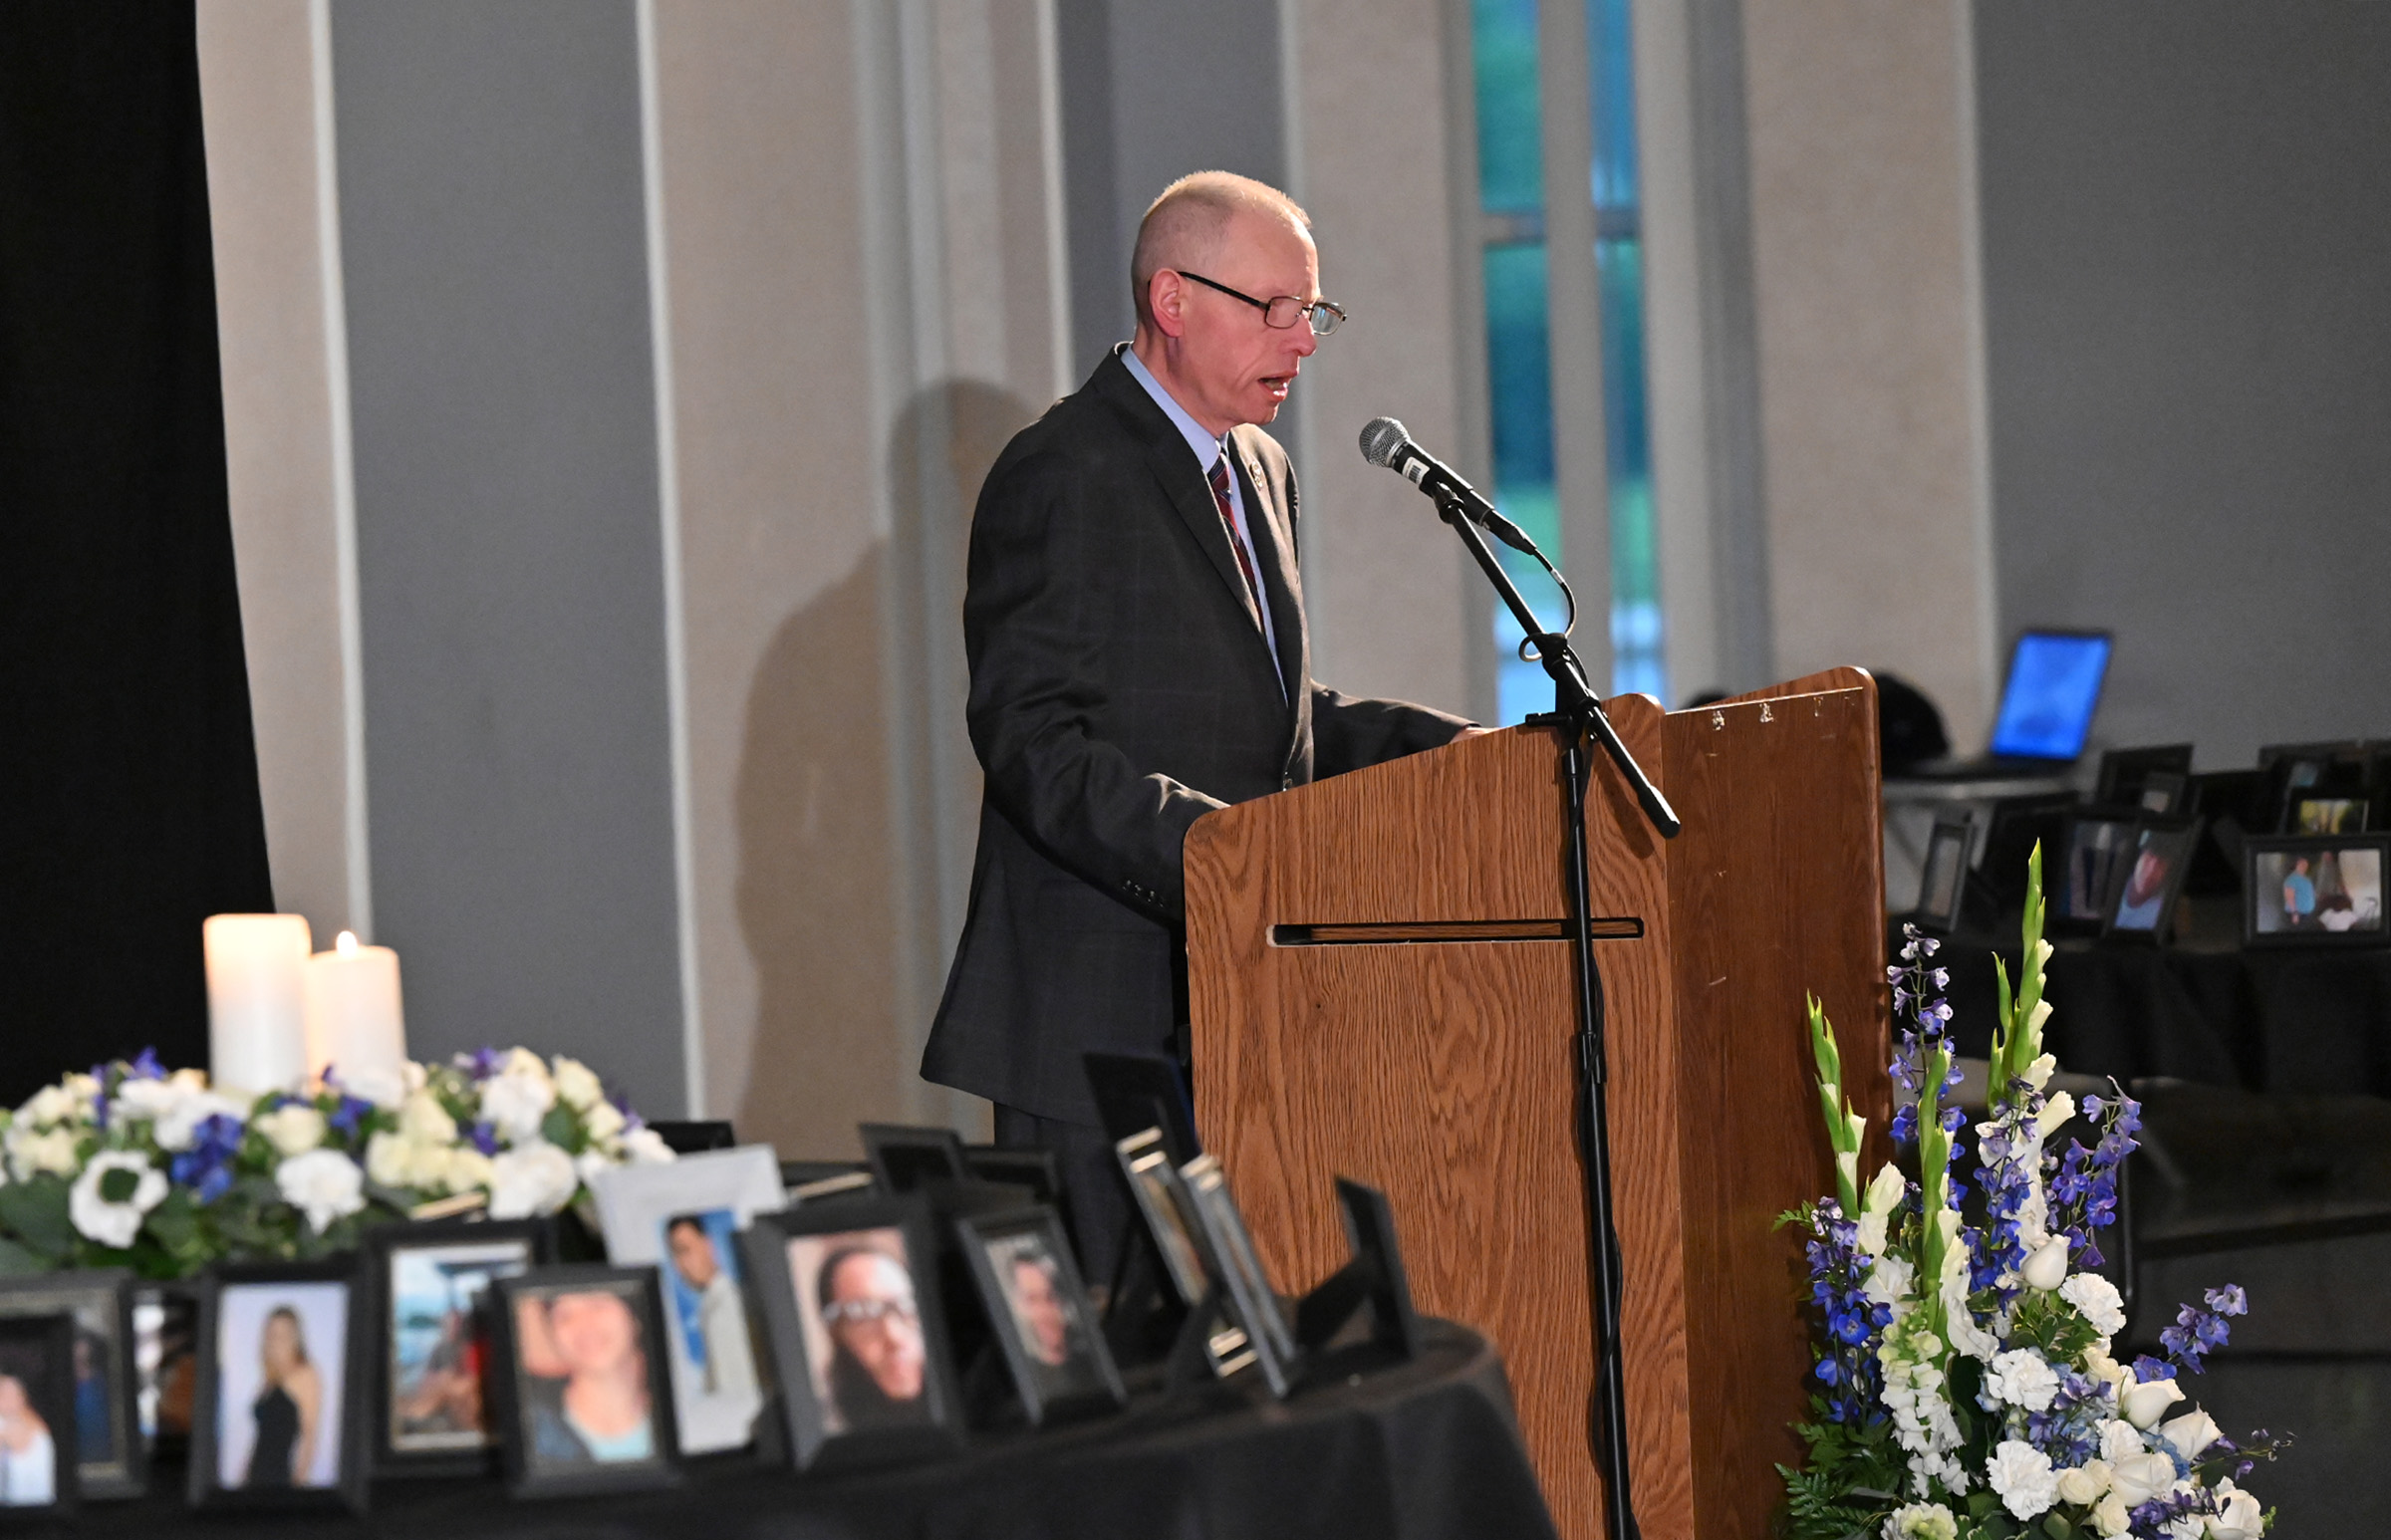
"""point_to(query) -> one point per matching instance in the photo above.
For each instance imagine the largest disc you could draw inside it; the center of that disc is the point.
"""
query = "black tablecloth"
(2280, 1020)
(1419, 1450)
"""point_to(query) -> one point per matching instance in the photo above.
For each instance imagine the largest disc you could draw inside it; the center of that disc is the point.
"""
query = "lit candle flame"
(347, 945)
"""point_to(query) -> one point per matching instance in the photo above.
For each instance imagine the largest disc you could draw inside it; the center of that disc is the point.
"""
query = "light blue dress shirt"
(1209, 451)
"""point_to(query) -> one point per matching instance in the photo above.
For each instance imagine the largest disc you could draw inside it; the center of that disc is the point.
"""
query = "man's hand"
(1473, 731)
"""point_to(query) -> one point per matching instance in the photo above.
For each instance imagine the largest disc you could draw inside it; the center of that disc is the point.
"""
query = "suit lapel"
(1174, 469)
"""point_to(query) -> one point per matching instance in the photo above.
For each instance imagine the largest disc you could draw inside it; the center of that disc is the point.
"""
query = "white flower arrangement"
(1966, 1386)
(137, 1168)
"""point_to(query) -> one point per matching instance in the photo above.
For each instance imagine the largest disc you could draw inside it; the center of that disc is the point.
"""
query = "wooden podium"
(1380, 987)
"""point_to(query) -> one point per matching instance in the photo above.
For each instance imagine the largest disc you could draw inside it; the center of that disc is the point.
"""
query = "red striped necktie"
(1229, 522)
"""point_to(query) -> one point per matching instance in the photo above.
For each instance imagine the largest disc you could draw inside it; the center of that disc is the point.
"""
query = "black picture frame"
(2014, 826)
(1233, 1267)
(1143, 1091)
(2092, 849)
(460, 1252)
(2123, 771)
(541, 1453)
(115, 1465)
(2331, 813)
(37, 1354)
(2297, 771)
(1370, 1239)
(830, 1417)
(1942, 873)
(238, 1304)
(905, 1157)
(1145, 1166)
(2143, 898)
(1029, 1285)
(2349, 867)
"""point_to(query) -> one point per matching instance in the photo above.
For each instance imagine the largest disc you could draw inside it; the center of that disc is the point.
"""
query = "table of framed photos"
(1421, 1449)
(2279, 1019)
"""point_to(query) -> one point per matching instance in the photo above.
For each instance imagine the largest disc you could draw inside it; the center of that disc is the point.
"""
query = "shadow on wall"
(850, 743)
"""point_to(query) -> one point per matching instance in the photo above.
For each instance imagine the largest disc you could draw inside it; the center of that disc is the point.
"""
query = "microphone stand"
(1578, 712)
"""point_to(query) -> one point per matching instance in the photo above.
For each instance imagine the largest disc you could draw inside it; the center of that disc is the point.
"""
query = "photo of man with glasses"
(862, 1294)
(1134, 623)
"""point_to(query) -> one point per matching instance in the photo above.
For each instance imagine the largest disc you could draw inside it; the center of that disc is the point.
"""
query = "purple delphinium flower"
(2197, 1332)
(2083, 1192)
(2154, 1516)
(1851, 1322)
(99, 1102)
(482, 1063)
(145, 1066)
(206, 1167)
(351, 1111)
(1918, 1001)
(2069, 1430)
(484, 1138)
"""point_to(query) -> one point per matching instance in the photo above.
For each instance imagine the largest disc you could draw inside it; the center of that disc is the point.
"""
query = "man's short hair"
(1185, 223)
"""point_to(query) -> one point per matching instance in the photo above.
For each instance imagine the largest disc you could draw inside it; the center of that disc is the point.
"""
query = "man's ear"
(1167, 301)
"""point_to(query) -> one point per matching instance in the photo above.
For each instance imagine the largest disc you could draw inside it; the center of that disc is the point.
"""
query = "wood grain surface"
(1441, 1069)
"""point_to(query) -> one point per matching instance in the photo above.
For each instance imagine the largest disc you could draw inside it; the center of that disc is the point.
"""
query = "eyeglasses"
(867, 1312)
(1282, 312)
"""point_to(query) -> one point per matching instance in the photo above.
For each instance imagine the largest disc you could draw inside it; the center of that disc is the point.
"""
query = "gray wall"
(509, 564)
(1153, 89)
(2188, 326)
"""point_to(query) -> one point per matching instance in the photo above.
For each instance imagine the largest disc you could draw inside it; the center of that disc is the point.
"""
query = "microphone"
(1387, 442)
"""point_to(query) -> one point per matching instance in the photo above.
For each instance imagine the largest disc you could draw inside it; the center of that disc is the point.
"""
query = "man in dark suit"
(1135, 628)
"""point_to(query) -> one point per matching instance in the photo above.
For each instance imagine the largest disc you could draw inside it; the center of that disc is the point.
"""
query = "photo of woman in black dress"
(289, 1406)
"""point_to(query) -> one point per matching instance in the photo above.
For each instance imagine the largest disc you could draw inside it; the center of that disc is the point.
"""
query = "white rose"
(2138, 1478)
(2098, 1302)
(325, 1184)
(603, 1120)
(1922, 1521)
(2143, 1403)
(114, 1222)
(516, 1103)
(2192, 1433)
(645, 1146)
(49, 1104)
(424, 1118)
(464, 1169)
(2083, 1484)
(2109, 1515)
(578, 1084)
(2241, 1518)
(390, 1161)
(533, 1178)
(140, 1100)
(293, 1129)
(2021, 1474)
(84, 1090)
(2039, 1073)
(523, 1062)
(2047, 1269)
(2023, 1378)
(179, 1125)
(2057, 1110)
(52, 1150)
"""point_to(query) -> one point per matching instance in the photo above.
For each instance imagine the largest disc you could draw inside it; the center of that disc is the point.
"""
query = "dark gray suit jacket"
(1121, 689)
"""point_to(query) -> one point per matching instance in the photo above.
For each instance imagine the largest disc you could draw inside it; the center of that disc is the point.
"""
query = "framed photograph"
(2125, 773)
(165, 1362)
(2094, 860)
(109, 1457)
(905, 1158)
(1235, 1268)
(429, 1370)
(577, 1386)
(1943, 875)
(2324, 891)
(683, 1218)
(1032, 1291)
(38, 1457)
(2328, 815)
(2296, 773)
(2165, 794)
(275, 1421)
(2013, 827)
(2155, 868)
(850, 1300)
(1154, 1182)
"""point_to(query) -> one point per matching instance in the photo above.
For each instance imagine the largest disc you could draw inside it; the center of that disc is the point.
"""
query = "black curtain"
(128, 799)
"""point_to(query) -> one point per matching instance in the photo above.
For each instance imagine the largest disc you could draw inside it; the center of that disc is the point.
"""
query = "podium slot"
(1402, 932)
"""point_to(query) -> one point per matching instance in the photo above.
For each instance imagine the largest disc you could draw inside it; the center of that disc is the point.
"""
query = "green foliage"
(2049, 1323)
(1817, 1510)
(34, 1213)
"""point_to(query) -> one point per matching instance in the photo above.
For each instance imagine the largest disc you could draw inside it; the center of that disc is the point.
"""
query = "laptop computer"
(2045, 713)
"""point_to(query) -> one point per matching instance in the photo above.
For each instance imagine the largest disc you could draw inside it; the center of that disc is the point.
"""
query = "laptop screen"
(2054, 685)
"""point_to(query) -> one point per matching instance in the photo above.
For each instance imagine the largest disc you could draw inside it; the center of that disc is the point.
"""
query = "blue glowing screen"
(2054, 685)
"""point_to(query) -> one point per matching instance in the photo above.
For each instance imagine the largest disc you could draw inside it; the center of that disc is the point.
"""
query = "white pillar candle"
(256, 1000)
(354, 1022)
